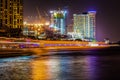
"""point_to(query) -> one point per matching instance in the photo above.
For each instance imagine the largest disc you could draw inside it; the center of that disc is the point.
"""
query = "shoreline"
(59, 50)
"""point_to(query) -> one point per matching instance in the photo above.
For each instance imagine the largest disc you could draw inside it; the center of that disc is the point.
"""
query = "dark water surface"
(61, 67)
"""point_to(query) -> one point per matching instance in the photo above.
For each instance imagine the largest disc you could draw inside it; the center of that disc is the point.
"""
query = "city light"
(58, 20)
(24, 22)
(47, 23)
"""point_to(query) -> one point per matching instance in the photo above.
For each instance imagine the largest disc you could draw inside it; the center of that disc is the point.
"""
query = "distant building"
(70, 28)
(34, 30)
(85, 25)
(11, 17)
(58, 21)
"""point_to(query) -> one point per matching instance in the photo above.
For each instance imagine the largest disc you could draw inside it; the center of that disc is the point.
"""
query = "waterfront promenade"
(42, 47)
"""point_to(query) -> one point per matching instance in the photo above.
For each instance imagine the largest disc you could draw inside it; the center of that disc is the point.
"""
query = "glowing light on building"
(11, 17)
(24, 22)
(47, 23)
(85, 25)
(58, 20)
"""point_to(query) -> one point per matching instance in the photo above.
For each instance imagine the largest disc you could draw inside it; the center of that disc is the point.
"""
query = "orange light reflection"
(40, 70)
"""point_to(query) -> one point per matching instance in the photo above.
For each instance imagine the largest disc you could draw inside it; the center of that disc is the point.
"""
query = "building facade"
(84, 24)
(58, 21)
(11, 16)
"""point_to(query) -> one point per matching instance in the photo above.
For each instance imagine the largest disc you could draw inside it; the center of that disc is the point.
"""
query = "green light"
(58, 15)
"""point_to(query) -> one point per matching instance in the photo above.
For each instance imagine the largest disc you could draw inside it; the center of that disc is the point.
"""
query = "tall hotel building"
(84, 24)
(11, 16)
(58, 20)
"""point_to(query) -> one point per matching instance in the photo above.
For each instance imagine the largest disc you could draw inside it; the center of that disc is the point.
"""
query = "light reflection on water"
(61, 67)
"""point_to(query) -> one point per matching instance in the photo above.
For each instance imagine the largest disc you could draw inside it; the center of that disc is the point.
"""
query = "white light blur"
(51, 11)
(47, 23)
(25, 23)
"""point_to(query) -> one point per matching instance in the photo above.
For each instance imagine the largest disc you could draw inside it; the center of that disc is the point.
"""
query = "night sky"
(107, 17)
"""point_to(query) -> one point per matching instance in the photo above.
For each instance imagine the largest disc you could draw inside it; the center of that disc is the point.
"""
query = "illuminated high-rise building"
(84, 24)
(58, 20)
(11, 16)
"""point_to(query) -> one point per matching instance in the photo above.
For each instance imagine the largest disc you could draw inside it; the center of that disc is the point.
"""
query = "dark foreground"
(64, 66)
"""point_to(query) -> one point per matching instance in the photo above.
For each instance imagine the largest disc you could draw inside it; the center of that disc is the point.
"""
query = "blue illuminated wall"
(58, 20)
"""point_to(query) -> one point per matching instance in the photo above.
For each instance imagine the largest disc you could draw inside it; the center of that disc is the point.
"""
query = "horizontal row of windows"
(18, 21)
(20, 1)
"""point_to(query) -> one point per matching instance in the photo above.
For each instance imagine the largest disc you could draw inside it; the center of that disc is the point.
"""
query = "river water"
(61, 67)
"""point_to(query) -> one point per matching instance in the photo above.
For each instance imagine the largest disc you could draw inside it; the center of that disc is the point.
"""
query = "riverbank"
(60, 50)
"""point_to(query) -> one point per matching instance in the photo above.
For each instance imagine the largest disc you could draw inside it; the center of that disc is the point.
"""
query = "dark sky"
(107, 17)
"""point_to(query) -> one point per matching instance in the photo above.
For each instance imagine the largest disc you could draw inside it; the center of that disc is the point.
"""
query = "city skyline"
(107, 18)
